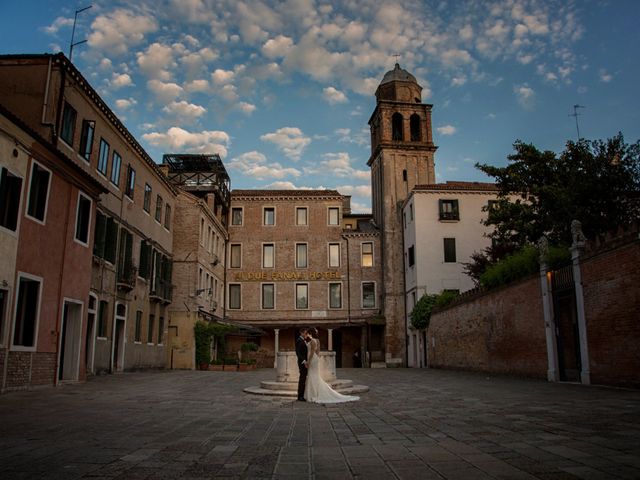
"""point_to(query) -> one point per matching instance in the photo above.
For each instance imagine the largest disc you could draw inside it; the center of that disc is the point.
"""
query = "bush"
(249, 347)
(421, 313)
(204, 333)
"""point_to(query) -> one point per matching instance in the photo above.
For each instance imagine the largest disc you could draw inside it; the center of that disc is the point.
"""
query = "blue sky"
(283, 90)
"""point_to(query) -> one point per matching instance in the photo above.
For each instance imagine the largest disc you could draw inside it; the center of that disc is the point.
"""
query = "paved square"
(425, 424)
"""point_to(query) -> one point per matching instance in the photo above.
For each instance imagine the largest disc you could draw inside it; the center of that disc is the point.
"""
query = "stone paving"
(413, 424)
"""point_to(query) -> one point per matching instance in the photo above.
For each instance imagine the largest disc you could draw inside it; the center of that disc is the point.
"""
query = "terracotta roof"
(471, 186)
(285, 193)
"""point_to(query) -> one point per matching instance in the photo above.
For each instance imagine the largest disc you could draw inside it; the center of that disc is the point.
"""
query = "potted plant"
(216, 366)
(251, 364)
(230, 364)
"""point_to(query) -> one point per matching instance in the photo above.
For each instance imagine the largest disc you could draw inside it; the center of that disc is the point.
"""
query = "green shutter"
(100, 235)
(111, 244)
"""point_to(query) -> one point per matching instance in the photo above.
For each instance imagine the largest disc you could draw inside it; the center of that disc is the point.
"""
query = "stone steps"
(290, 389)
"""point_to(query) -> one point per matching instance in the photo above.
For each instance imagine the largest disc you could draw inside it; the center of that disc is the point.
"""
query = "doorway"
(117, 360)
(566, 323)
(337, 347)
(90, 340)
(70, 341)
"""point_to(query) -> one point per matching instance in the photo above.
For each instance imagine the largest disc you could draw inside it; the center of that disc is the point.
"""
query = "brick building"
(132, 249)
(48, 204)
(297, 258)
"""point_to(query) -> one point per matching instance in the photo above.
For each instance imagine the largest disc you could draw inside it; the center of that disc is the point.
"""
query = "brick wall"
(27, 369)
(611, 283)
(500, 331)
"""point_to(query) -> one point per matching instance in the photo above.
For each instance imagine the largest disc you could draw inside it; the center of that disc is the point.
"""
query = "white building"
(442, 229)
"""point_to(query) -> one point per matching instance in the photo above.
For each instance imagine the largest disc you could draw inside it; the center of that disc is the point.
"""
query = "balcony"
(127, 277)
(163, 292)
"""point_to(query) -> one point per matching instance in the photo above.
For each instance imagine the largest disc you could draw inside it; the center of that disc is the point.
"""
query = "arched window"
(414, 123)
(396, 127)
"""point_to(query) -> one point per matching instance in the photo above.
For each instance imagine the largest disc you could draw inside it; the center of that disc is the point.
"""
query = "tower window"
(404, 175)
(396, 127)
(414, 123)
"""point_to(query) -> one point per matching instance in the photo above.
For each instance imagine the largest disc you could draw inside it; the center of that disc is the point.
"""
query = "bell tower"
(402, 156)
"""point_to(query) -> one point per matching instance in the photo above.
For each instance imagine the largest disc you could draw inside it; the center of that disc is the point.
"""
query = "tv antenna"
(575, 114)
(73, 32)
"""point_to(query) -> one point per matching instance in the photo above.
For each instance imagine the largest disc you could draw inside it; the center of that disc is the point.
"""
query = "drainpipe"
(63, 77)
(45, 101)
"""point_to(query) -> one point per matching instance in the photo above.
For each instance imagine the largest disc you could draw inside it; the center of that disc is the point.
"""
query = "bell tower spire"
(402, 156)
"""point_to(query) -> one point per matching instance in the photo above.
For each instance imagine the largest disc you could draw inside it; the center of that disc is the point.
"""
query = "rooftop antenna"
(576, 115)
(73, 32)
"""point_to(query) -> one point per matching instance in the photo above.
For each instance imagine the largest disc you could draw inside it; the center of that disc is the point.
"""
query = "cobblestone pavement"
(413, 424)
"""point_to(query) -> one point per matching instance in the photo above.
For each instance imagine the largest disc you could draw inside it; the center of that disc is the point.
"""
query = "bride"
(316, 389)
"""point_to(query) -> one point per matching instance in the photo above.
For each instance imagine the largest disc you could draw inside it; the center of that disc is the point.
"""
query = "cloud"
(156, 61)
(456, 56)
(125, 103)
(446, 130)
(164, 91)
(57, 24)
(458, 81)
(176, 139)
(355, 190)
(254, 164)
(361, 138)
(604, 76)
(115, 32)
(187, 112)
(277, 47)
(196, 86)
(333, 96)
(290, 140)
(525, 95)
(119, 80)
(246, 108)
(338, 165)
(220, 76)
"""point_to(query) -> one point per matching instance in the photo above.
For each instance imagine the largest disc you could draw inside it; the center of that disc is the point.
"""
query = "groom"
(301, 353)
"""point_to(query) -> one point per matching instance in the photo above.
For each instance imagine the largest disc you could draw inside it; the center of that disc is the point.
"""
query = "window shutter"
(111, 243)
(100, 235)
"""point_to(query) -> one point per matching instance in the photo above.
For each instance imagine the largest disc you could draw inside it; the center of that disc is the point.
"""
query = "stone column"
(330, 339)
(549, 324)
(576, 247)
(276, 331)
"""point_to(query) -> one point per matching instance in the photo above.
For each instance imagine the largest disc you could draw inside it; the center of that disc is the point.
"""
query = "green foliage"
(249, 347)
(204, 334)
(421, 313)
(541, 193)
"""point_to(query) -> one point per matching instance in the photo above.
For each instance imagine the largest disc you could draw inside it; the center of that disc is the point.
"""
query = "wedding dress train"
(318, 391)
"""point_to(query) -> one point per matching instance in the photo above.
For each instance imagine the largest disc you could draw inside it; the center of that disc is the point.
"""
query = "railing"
(449, 216)
(127, 277)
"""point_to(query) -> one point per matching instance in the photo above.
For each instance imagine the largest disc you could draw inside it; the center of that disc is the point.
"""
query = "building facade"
(442, 226)
(199, 247)
(48, 204)
(291, 262)
(402, 156)
(131, 284)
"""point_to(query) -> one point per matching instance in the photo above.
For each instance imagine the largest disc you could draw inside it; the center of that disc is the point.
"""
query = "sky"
(283, 90)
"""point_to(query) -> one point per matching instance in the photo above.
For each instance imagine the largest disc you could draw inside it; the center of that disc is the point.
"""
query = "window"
(269, 216)
(396, 127)
(404, 175)
(126, 270)
(450, 250)
(236, 256)
(105, 238)
(158, 208)
(367, 254)
(144, 267)
(301, 216)
(138, 332)
(38, 192)
(334, 216)
(236, 216)
(335, 295)
(86, 139)
(268, 297)
(414, 125)
(152, 321)
(83, 219)
(491, 204)
(10, 192)
(302, 296)
(167, 217)
(102, 318)
(301, 255)
(25, 328)
(146, 204)
(103, 157)
(68, 127)
(131, 183)
(235, 297)
(268, 255)
(411, 212)
(449, 210)
(368, 295)
(411, 256)
(116, 162)
(334, 254)
(160, 330)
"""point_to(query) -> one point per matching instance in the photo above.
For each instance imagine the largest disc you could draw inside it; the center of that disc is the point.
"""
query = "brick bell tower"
(402, 156)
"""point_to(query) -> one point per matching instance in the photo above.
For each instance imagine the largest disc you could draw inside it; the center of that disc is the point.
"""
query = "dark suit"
(301, 353)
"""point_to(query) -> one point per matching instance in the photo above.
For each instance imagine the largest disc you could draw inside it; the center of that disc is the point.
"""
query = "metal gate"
(566, 323)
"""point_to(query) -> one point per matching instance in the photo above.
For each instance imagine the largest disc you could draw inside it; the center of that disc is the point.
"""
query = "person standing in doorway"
(301, 353)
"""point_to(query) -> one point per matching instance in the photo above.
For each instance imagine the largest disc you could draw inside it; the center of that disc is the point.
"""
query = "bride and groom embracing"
(311, 387)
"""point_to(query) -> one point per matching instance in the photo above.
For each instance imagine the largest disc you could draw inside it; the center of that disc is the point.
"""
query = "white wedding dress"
(316, 389)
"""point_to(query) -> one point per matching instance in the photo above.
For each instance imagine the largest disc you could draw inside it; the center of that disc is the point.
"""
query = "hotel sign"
(266, 276)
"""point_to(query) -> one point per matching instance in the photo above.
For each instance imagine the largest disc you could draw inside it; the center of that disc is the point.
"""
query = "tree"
(540, 193)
